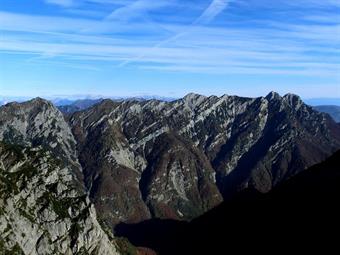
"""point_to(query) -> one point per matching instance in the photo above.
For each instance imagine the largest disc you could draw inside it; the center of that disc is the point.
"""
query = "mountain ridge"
(229, 132)
(141, 160)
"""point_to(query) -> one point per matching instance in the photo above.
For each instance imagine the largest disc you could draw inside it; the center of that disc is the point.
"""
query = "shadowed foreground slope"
(300, 213)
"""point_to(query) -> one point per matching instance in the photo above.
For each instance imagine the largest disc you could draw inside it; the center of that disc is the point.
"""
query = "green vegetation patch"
(14, 182)
(26, 215)
(125, 247)
(15, 250)
(82, 251)
(59, 205)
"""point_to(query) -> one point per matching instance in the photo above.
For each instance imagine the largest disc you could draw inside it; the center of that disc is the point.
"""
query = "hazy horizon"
(69, 99)
(145, 95)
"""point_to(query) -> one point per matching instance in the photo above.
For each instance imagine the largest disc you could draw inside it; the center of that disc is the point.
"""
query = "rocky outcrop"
(44, 208)
(39, 123)
(179, 182)
(177, 159)
(41, 210)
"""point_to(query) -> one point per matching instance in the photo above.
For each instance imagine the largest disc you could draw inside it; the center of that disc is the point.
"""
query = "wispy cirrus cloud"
(284, 4)
(215, 50)
(213, 38)
(214, 8)
(63, 3)
(137, 8)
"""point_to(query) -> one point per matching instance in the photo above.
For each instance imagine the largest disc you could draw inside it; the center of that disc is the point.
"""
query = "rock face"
(41, 211)
(179, 159)
(43, 206)
(38, 122)
(156, 171)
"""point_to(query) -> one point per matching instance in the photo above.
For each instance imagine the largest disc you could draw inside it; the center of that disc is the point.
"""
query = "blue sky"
(169, 47)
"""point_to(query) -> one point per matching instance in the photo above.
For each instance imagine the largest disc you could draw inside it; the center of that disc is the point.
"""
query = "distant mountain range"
(80, 100)
(69, 100)
(78, 105)
(68, 180)
(322, 101)
(332, 110)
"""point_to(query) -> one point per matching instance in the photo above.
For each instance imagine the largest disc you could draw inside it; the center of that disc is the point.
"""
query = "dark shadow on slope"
(297, 215)
(159, 235)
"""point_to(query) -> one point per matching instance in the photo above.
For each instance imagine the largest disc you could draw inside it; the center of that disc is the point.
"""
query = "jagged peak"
(105, 103)
(273, 95)
(38, 104)
(35, 104)
(192, 100)
(293, 100)
(225, 96)
(103, 107)
(193, 96)
(291, 96)
(39, 100)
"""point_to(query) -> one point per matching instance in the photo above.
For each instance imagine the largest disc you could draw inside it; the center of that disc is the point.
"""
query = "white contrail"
(208, 15)
(214, 9)
(136, 8)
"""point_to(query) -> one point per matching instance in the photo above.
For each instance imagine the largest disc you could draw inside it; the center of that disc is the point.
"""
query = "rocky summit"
(133, 160)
